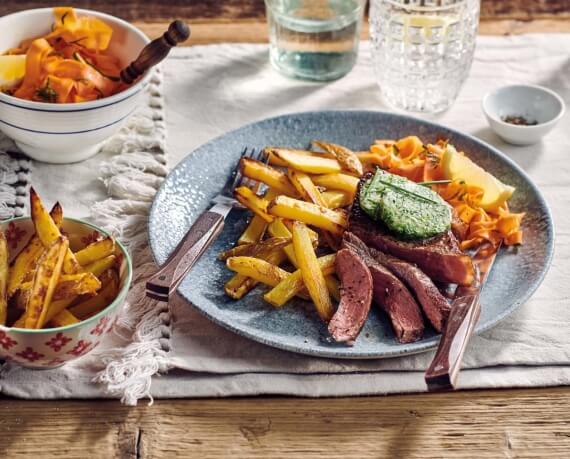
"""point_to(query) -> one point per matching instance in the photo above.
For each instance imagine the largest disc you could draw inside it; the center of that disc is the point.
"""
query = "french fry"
(252, 250)
(238, 286)
(44, 283)
(310, 193)
(335, 199)
(347, 158)
(333, 286)
(278, 229)
(100, 266)
(104, 298)
(254, 231)
(3, 278)
(293, 283)
(307, 163)
(96, 268)
(68, 286)
(313, 277)
(48, 231)
(305, 187)
(255, 268)
(95, 251)
(23, 266)
(312, 214)
(275, 161)
(253, 202)
(343, 182)
(63, 319)
(87, 284)
(275, 179)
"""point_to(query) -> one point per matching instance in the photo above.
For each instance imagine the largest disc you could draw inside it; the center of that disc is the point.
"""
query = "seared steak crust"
(439, 257)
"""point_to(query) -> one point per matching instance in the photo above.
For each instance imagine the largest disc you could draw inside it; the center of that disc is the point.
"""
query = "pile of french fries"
(301, 214)
(47, 285)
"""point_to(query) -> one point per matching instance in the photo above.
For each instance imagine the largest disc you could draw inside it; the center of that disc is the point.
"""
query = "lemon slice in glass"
(12, 70)
(414, 23)
(459, 167)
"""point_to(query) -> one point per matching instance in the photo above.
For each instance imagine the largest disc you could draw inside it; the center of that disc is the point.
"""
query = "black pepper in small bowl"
(519, 120)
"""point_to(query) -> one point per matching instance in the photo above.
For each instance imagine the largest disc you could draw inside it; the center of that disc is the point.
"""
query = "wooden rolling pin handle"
(156, 51)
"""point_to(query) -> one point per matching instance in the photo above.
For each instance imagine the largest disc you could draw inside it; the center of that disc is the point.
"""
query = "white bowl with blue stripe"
(67, 133)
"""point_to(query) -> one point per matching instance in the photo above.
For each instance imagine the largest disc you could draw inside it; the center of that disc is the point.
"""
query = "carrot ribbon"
(70, 64)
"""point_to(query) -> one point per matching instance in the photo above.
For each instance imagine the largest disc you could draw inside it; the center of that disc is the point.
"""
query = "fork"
(200, 236)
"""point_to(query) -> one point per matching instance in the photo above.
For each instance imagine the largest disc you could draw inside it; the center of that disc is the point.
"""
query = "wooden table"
(469, 424)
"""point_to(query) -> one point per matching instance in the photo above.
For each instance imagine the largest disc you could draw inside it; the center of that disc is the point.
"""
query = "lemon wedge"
(456, 166)
(413, 24)
(12, 70)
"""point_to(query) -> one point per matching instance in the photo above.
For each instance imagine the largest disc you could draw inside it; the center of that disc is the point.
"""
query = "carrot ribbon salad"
(71, 63)
(480, 206)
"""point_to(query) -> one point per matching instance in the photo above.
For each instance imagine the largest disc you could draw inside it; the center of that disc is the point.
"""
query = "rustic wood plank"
(483, 424)
(252, 31)
(156, 10)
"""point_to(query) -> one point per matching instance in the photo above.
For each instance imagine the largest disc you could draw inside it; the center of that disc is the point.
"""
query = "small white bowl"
(534, 103)
(67, 133)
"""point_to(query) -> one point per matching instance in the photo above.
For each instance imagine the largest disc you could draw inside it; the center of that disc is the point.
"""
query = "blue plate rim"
(416, 348)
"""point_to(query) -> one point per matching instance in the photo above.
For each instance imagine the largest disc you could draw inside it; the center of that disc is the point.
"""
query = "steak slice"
(355, 297)
(433, 303)
(439, 257)
(393, 297)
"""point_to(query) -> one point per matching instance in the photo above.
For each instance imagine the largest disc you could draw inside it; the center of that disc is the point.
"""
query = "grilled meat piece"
(355, 297)
(434, 305)
(439, 257)
(393, 297)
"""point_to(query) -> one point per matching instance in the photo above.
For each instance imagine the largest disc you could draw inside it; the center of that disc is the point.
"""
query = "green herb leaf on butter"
(409, 210)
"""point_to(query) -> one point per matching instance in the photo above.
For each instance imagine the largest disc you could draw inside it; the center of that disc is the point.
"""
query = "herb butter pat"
(409, 210)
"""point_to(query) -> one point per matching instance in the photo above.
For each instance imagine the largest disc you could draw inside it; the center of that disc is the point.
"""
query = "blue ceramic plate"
(188, 189)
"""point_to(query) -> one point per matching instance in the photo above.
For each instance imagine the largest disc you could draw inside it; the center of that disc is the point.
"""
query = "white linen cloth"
(212, 89)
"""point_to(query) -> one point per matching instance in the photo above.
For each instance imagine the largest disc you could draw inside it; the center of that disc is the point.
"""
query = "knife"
(464, 315)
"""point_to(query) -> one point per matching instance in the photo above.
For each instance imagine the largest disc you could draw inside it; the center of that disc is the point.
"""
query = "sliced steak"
(433, 303)
(355, 297)
(439, 257)
(393, 297)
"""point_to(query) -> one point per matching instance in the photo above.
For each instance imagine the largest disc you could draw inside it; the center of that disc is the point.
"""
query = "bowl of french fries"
(62, 283)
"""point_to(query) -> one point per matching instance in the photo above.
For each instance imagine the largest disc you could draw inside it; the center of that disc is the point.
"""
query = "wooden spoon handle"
(442, 373)
(156, 51)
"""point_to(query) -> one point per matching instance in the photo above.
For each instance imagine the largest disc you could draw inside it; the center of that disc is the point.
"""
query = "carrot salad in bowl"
(70, 64)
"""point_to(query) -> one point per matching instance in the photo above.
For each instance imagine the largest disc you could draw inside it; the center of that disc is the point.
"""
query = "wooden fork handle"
(198, 238)
(443, 370)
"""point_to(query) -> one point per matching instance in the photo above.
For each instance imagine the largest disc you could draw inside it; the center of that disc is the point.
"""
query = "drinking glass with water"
(422, 50)
(314, 39)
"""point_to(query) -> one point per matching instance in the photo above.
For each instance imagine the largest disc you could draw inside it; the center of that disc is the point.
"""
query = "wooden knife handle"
(443, 370)
(198, 238)
(156, 51)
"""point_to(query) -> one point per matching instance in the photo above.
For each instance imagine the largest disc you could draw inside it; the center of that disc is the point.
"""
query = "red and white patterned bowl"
(52, 347)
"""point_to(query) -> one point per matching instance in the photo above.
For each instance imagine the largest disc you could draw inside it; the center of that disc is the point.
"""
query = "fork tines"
(237, 178)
